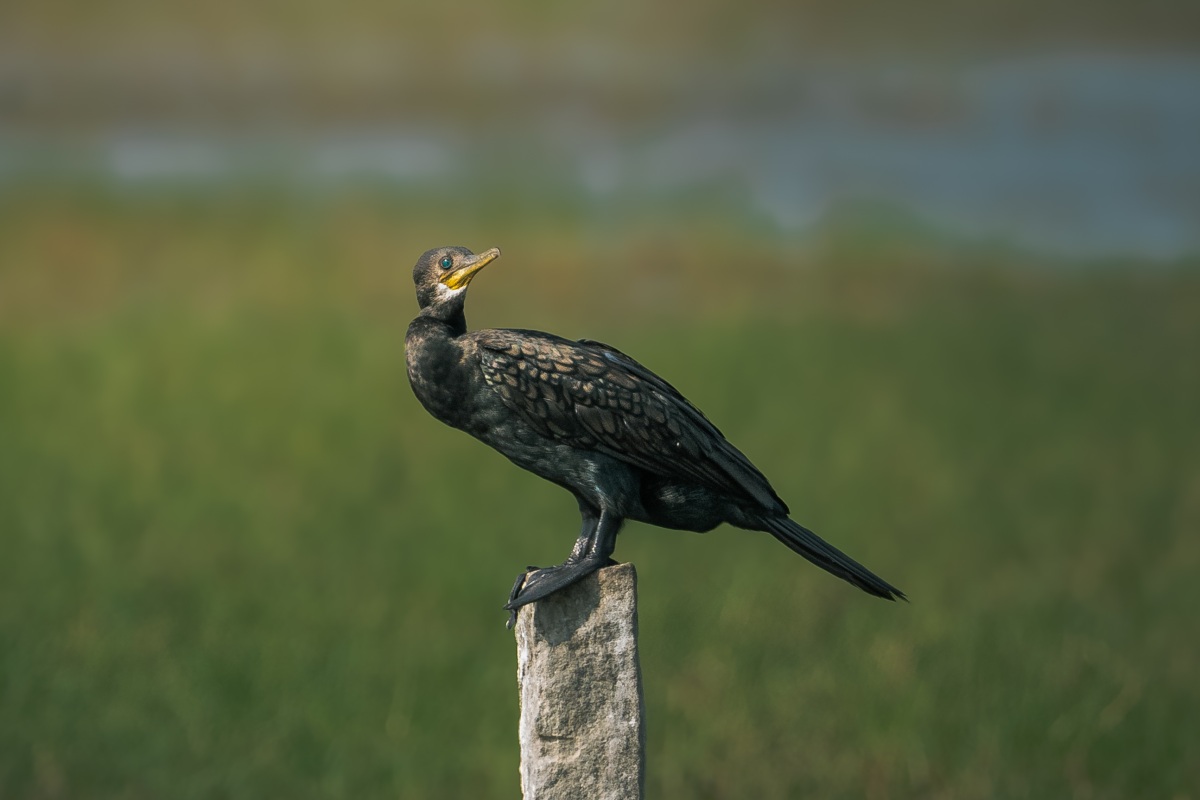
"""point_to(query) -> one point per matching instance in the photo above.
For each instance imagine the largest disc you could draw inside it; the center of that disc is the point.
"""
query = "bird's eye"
(446, 262)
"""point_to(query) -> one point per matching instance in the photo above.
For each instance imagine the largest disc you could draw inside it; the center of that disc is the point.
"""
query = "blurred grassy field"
(240, 561)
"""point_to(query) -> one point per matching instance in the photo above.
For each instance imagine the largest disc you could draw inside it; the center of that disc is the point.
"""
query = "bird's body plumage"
(593, 420)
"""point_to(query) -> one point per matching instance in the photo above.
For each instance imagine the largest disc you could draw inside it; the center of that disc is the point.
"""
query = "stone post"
(582, 731)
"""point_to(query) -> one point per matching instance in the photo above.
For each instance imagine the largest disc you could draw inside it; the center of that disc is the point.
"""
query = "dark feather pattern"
(589, 395)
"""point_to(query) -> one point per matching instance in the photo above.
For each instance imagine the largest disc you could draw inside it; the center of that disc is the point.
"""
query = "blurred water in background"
(1077, 155)
(1064, 130)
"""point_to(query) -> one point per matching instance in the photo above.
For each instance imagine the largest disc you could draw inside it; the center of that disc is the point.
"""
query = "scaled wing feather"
(592, 396)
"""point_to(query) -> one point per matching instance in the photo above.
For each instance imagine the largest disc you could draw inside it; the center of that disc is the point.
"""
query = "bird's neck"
(436, 369)
(450, 316)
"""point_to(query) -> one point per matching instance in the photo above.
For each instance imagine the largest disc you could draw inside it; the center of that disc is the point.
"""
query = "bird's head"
(443, 273)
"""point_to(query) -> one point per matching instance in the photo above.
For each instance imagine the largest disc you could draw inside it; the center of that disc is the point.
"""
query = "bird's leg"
(592, 551)
(589, 520)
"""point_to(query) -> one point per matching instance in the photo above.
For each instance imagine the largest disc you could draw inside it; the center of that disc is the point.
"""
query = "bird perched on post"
(589, 418)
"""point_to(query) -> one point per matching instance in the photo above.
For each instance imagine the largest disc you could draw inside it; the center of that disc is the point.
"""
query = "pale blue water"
(1073, 155)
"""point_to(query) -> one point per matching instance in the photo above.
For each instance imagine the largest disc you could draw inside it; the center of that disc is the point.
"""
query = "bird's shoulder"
(550, 377)
(584, 370)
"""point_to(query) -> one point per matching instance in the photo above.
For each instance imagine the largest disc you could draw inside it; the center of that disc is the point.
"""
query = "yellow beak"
(462, 276)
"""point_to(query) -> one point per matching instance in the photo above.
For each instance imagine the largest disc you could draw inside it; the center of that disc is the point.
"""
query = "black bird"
(589, 418)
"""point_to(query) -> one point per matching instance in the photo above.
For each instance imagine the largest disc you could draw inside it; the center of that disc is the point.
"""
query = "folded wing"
(592, 396)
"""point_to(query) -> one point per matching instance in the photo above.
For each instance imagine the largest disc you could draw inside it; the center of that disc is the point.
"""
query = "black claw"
(518, 585)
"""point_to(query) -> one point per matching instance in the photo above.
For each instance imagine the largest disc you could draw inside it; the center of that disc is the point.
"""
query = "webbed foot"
(535, 583)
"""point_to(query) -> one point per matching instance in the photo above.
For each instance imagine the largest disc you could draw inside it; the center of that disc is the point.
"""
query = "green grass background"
(239, 560)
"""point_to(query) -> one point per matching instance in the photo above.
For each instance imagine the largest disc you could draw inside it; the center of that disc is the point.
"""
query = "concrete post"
(582, 730)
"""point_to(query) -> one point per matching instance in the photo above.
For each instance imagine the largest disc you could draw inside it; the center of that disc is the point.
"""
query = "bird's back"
(592, 396)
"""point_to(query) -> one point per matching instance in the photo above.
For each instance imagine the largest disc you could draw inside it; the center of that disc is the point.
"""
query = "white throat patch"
(444, 292)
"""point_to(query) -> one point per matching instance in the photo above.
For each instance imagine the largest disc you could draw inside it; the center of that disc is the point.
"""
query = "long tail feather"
(806, 543)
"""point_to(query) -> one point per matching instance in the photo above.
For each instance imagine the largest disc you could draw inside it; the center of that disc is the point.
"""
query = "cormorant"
(589, 418)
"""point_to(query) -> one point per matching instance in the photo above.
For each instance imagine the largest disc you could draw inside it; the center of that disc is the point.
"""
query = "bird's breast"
(439, 378)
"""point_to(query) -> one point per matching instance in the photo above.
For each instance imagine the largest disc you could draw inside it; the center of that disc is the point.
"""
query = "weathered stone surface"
(582, 731)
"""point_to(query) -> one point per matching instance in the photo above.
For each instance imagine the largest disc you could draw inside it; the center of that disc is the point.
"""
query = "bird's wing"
(592, 396)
